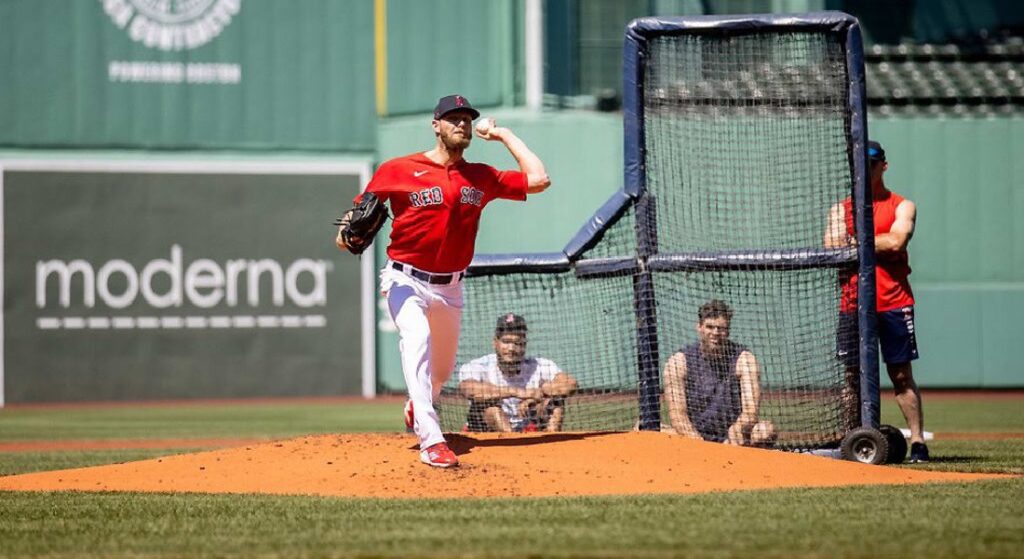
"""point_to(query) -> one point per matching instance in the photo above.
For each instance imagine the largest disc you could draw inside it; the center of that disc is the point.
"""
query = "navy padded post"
(870, 397)
(504, 264)
(633, 54)
(594, 229)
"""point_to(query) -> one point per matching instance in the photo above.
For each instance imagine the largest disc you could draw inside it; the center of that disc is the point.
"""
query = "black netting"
(746, 139)
(586, 327)
(747, 151)
(787, 321)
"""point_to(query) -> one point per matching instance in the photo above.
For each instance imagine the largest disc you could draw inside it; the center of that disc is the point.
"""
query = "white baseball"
(483, 127)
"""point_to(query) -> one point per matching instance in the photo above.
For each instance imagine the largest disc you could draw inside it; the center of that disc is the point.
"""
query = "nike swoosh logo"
(419, 173)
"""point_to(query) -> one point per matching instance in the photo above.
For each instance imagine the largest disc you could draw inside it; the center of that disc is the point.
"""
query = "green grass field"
(983, 519)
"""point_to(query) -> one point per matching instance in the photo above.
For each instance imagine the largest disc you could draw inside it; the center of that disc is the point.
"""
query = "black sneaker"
(918, 453)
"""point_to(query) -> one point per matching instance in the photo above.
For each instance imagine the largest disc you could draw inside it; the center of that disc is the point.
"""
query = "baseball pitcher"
(436, 198)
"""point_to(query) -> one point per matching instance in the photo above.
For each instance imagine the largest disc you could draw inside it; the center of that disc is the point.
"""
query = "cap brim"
(470, 110)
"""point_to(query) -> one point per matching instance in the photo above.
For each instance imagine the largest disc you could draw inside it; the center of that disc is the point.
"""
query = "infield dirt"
(527, 465)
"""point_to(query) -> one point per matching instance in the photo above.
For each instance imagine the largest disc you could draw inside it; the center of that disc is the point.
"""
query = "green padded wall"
(968, 250)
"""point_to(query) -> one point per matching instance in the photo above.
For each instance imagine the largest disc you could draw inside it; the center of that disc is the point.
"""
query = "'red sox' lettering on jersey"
(432, 196)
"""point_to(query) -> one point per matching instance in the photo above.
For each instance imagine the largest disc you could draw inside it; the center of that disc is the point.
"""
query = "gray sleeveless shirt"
(713, 390)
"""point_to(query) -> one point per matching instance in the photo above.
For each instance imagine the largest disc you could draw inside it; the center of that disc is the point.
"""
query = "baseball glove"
(358, 227)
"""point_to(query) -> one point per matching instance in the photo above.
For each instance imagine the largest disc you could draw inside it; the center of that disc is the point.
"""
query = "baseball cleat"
(918, 453)
(407, 415)
(439, 456)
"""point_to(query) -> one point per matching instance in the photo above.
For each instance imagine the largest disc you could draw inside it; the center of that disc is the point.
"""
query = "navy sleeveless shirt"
(713, 390)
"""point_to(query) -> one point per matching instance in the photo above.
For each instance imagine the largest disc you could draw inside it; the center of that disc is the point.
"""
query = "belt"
(436, 279)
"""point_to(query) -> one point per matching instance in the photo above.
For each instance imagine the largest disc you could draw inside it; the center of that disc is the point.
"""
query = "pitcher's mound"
(387, 465)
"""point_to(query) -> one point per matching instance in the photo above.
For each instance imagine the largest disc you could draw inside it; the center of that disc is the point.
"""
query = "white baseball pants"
(428, 317)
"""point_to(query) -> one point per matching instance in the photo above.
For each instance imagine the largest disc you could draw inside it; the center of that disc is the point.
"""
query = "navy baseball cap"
(510, 323)
(451, 103)
(875, 151)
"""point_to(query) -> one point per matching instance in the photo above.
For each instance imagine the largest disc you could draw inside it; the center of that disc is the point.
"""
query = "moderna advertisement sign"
(126, 284)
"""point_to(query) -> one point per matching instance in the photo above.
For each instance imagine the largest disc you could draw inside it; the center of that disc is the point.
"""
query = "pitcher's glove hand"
(358, 227)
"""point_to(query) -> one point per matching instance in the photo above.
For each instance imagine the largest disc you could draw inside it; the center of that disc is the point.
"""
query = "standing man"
(436, 198)
(713, 386)
(894, 218)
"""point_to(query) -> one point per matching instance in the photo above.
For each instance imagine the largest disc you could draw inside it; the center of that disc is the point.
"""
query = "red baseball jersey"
(437, 209)
(892, 282)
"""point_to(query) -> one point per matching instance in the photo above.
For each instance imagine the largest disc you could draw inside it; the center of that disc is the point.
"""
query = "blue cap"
(875, 151)
(451, 103)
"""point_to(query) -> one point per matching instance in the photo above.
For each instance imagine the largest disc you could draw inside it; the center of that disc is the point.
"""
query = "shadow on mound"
(462, 444)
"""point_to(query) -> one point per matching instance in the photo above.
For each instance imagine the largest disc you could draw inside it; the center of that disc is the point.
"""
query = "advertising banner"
(166, 280)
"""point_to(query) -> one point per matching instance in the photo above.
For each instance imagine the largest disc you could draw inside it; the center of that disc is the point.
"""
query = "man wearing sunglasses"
(894, 218)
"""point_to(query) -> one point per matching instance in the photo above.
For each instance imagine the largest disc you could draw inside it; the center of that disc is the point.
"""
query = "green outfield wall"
(259, 74)
(245, 74)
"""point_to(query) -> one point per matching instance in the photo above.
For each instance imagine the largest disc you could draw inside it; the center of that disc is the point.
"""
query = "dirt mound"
(387, 465)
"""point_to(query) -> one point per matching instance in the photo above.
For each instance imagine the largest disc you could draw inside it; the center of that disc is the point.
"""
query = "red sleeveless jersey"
(436, 209)
(892, 283)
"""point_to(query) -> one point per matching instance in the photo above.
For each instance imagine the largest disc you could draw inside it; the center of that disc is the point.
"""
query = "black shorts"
(895, 335)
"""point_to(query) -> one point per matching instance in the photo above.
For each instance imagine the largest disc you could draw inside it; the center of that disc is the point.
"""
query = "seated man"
(712, 386)
(510, 391)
